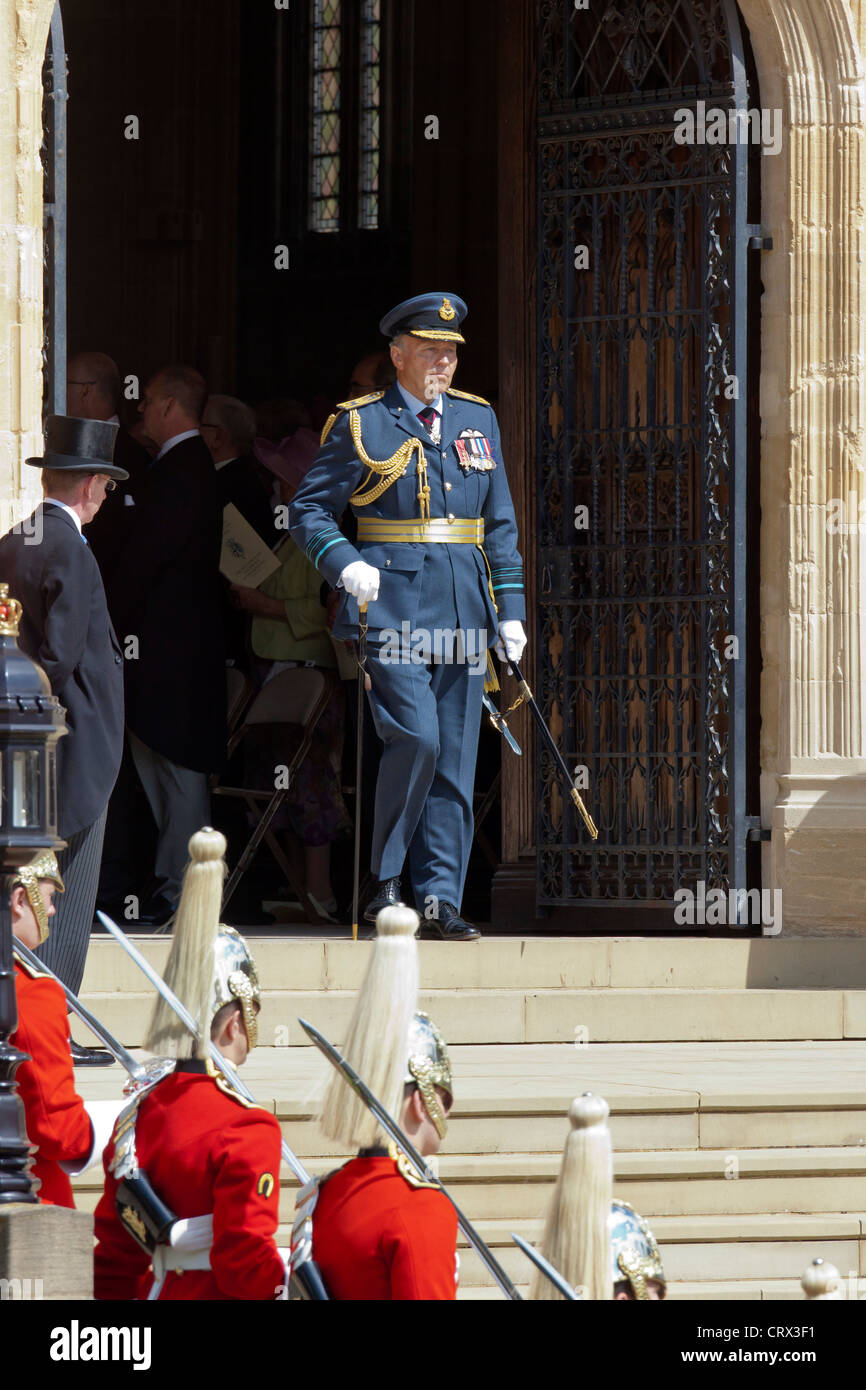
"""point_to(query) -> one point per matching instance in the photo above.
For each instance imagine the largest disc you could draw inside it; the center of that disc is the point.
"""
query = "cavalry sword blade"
(546, 1267)
(117, 1050)
(189, 1022)
(393, 1130)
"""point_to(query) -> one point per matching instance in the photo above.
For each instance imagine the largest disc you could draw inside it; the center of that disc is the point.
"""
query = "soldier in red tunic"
(192, 1174)
(377, 1231)
(67, 1135)
(602, 1247)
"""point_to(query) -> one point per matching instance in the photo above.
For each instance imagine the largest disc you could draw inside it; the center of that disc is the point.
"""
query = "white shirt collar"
(113, 420)
(175, 439)
(225, 463)
(415, 405)
(55, 503)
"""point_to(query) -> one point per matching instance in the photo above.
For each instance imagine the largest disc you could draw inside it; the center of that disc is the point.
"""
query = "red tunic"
(377, 1237)
(204, 1153)
(57, 1123)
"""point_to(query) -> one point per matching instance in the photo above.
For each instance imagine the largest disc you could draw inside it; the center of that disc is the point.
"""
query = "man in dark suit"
(50, 569)
(169, 616)
(93, 392)
(228, 429)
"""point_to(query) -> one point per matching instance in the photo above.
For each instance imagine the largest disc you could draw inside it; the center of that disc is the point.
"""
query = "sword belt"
(445, 530)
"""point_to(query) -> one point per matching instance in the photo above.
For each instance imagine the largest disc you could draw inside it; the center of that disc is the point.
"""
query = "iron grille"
(641, 451)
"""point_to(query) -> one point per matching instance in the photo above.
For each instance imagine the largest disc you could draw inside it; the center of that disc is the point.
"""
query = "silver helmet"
(429, 1066)
(236, 980)
(634, 1253)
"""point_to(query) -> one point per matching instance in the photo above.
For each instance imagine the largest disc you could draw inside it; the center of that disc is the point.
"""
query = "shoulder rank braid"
(347, 405)
(466, 396)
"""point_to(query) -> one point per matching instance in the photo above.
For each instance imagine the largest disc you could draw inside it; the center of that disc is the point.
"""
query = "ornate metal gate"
(641, 450)
(53, 155)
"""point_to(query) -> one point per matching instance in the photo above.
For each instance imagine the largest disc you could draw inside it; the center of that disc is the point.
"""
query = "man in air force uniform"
(421, 466)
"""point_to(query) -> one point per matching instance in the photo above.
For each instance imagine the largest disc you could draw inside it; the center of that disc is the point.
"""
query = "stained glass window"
(325, 111)
(368, 175)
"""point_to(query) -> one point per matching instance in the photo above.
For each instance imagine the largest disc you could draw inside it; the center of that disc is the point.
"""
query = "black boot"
(447, 925)
(387, 894)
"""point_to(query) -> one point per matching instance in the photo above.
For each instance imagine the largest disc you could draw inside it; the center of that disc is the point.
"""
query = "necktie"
(429, 419)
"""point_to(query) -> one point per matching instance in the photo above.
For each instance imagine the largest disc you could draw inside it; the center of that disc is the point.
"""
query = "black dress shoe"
(387, 895)
(447, 925)
(156, 914)
(90, 1056)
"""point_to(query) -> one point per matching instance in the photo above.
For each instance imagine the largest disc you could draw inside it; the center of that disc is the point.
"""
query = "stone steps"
(547, 1016)
(309, 959)
(540, 990)
(733, 1068)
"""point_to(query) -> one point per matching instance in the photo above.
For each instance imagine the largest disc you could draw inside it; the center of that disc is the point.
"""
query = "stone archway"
(809, 59)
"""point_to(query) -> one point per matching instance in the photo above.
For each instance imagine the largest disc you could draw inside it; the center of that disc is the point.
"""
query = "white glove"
(103, 1116)
(361, 581)
(511, 640)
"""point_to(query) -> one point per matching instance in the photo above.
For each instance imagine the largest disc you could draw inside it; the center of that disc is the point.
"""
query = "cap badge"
(447, 312)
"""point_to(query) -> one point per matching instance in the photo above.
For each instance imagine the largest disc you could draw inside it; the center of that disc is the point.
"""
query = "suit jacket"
(167, 594)
(453, 577)
(237, 483)
(67, 630)
(109, 531)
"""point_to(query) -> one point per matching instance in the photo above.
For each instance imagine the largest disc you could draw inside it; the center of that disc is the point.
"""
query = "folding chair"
(239, 695)
(297, 696)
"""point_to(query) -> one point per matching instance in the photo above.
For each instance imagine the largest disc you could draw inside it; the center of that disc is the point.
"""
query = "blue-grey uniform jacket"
(453, 579)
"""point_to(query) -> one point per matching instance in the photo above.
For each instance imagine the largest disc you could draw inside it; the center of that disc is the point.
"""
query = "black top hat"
(80, 446)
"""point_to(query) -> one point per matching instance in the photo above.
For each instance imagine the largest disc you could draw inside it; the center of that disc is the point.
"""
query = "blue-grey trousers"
(428, 718)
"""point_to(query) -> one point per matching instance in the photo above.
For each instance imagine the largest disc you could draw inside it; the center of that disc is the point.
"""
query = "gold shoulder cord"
(388, 470)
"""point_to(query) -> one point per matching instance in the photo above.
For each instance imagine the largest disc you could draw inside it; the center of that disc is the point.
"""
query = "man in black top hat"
(50, 569)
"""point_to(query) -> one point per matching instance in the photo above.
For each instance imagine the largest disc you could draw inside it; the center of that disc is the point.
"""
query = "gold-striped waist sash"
(447, 530)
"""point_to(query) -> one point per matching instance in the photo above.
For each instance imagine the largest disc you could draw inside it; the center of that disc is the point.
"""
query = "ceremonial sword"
(189, 1022)
(553, 1274)
(527, 695)
(425, 1172)
(137, 1070)
(499, 723)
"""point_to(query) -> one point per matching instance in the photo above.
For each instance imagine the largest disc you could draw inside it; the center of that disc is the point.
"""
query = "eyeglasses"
(80, 383)
(108, 483)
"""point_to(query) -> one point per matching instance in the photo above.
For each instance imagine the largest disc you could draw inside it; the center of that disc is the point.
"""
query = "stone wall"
(813, 758)
(23, 35)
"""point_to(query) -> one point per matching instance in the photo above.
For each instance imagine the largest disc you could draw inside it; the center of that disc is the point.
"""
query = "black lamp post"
(31, 721)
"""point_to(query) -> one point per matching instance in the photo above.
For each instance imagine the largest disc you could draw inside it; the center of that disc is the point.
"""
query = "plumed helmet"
(44, 866)
(236, 979)
(429, 1066)
(209, 964)
(634, 1253)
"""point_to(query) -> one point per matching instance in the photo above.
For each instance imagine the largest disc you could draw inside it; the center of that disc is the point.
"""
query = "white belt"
(189, 1246)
